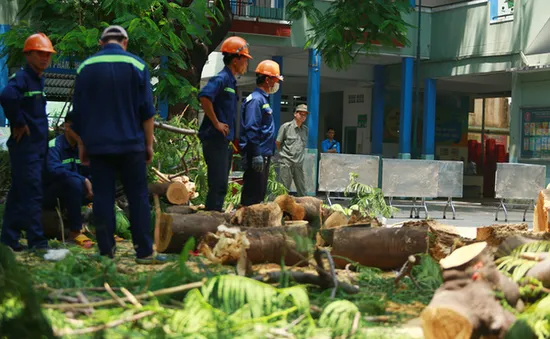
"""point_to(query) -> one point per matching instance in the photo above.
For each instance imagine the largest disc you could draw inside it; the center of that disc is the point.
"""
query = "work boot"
(152, 260)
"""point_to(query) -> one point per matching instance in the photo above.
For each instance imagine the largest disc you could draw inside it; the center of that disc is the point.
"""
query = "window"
(501, 10)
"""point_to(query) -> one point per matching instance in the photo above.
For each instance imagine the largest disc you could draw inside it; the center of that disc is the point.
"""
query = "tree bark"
(540, 217)
(258, 215)
(272, 244)
(301, 208)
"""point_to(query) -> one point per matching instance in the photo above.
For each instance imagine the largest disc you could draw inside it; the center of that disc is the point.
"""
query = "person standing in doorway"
(329, 145)
(113, 116)
(257, 134)
(291, 142)
(219, 102)
(24, 104)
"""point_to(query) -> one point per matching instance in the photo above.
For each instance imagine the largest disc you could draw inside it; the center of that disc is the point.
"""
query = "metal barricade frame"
(517, 181)
(335, 169)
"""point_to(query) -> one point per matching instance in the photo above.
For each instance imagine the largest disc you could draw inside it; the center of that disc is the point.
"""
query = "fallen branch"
(111, 324)
(147, 295)
(406, 271)
(113, 295)
(304, 278)
(173, 129)
(131, 298)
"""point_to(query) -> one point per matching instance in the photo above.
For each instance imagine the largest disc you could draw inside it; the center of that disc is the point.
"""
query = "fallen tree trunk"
(494, 235)
(176, 192)
(385, 248)
(182, 209)
(176, 229)
(261, 245)
(258, 215)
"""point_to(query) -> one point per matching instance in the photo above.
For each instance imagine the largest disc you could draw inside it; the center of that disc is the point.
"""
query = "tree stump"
(301, 208)
(540, 217)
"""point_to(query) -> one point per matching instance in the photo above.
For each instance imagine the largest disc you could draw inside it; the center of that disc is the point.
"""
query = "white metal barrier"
(518, 182)
(335, 169)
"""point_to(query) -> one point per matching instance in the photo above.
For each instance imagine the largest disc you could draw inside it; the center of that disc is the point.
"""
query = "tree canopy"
(349, 27)
(184, 32)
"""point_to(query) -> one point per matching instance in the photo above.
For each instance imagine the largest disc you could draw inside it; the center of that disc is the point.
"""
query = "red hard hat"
(38, 42)
(235, 45)
(269, 68)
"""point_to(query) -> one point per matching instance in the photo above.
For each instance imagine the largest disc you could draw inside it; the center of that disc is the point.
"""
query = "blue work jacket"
(222, 91)
(24, 103)
(112, 99)
(257, 134)
(63, 161)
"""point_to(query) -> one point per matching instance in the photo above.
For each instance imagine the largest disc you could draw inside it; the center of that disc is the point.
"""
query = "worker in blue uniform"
(219, 102)
(24, 104)
(257, 133)
(329, 145)
(67, 182)
(114, 118)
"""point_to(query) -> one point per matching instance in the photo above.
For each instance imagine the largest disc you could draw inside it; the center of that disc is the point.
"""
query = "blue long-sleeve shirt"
(24, 103)
(257, 134)
(221, 90)
(112, 99)
(327, 144)
(63, 161)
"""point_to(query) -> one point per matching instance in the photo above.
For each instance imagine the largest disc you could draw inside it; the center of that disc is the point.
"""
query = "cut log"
(464, 313)
(301, 208)
(183, 209)
(258, 215)
(494, 235)
(385, 248)
(175, 192)
(176, 229)
(389, 248)
(540, 217)
(336, 219)
(52, 225)
(263, 245)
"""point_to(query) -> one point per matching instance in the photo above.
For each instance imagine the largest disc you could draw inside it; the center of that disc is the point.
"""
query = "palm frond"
(339, 316)
(517, 266)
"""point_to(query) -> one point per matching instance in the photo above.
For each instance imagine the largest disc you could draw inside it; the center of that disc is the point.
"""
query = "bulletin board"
(535, 133)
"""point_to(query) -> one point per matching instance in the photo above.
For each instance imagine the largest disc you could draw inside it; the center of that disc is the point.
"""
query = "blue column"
(276, 98)
(428, 127)
(313, 96)
(405, 114)
(3, 74)
(163, 102)
(377, 128)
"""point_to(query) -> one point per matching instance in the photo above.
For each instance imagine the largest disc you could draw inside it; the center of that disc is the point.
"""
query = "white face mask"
(274, 89)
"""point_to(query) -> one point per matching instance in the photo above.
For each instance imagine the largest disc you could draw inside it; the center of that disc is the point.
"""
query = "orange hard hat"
(38, 42)
(269, 68)
(235, 45)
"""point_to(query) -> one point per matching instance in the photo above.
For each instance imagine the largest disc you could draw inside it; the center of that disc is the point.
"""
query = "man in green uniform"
(291, 143)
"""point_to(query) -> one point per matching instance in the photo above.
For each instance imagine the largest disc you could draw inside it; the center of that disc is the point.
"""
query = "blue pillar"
(3, 74)
(276, 98)
(428, 128)
(313, 96)
(163, 102)
(405, 114)
(377, 127)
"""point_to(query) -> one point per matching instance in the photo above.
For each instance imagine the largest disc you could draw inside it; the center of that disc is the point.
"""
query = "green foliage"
(340, 33)
(156, 28)
(122, 224)
(517, 266)
(274, 187)
(367, 200)
(339, 316)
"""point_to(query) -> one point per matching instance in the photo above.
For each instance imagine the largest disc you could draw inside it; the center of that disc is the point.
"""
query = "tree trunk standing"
(199, 55)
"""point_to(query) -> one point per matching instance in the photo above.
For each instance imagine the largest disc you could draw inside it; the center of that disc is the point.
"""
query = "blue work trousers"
(132, 171)
(71, 194)
(255, 183)
(218, 159)
(23, 210)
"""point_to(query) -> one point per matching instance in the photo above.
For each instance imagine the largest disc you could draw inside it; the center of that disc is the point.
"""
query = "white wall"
(351, 111)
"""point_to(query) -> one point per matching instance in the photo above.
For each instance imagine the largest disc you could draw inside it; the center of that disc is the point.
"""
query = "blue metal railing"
(265, 9)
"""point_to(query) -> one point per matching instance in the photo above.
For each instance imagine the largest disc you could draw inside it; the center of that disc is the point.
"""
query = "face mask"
(274, 89)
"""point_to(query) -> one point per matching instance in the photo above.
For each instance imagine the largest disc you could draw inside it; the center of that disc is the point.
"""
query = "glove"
(258, 163)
